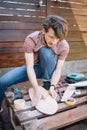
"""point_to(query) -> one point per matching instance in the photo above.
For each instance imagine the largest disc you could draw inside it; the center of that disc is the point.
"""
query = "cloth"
(35, 41)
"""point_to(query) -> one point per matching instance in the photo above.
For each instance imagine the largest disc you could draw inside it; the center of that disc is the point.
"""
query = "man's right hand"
(38, 95)
(52, 92)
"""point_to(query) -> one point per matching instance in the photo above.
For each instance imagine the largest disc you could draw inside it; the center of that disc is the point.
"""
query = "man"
(45, 54)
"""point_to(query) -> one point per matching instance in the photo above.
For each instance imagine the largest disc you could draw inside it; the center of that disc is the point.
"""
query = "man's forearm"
(32, 78)
(57, 73)
(55, 77)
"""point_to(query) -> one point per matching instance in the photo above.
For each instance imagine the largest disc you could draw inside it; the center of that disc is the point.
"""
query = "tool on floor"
(70, 101)
(77, 92)
(60, 92)
(75, 77)
(19, 103)
(17, 94)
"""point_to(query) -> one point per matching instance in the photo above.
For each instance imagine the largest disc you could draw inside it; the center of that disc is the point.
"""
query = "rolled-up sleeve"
(63, 50)
(64, 54)
(29, 45)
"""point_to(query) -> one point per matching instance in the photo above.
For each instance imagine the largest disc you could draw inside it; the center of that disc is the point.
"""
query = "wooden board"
(31, 119)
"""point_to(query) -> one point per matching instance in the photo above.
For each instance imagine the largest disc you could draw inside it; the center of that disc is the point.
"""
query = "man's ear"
(43, 31)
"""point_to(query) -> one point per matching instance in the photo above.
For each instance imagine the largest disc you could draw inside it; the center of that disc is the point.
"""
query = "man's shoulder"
(64, 44)
(34, 34)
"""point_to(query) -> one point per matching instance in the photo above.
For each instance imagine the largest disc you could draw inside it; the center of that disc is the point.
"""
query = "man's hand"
(52, 92)
(38, 95)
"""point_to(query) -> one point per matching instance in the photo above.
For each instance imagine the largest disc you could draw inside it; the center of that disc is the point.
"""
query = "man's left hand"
(52, 92)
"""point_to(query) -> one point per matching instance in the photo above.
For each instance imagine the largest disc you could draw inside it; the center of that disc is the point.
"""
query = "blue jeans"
(44, 70)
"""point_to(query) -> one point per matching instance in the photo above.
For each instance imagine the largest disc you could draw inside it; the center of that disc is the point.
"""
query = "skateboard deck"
(80, 84)
(47, 106)
(68, 93)
(71, 89)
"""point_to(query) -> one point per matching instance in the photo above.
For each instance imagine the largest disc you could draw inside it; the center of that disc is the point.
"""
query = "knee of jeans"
(3, 85)
(46, 53)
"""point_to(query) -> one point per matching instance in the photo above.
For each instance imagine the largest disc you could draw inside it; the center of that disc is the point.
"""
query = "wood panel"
(23, 1)
(14, 35)
(75, 12)
(20, 26)
(11, 50)
(75, 50)
(11, 63)
(68, 11)
(77, 56)
(19, 12)
(22, 6)
(12, 59)
(69, 5)
(74, 44)
(24, 19)
(12, 56)
(77, 1)
(11, 44)
(18, 18)
(81, 23)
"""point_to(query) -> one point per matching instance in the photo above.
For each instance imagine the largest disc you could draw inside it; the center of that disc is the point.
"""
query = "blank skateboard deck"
(47, 106)
(68, 93)
(71, 89)
(80, 84)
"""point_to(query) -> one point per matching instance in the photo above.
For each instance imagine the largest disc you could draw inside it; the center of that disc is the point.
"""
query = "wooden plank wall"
(75, 12)
(18, 18)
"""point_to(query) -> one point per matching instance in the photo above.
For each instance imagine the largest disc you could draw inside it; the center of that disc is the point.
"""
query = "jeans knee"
(46, 53)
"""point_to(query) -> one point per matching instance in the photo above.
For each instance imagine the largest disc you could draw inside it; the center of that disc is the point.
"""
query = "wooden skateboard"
(80, 84)
(47, 106)
(71, 89)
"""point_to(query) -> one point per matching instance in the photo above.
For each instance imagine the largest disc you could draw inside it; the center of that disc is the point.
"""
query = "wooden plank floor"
(8, 126)
(77, 126)
(23, 119)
